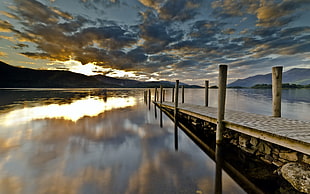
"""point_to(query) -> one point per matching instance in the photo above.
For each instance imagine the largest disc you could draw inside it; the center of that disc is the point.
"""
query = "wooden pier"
(292, 134)
(288, 133)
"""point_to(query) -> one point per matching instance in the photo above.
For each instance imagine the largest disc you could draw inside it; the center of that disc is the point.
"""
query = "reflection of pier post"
(218, 169)
(176, 114)
(276, 90)
(161, 101)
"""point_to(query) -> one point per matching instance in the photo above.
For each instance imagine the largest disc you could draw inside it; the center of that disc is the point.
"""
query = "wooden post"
(155, 95)
(161, 101)
(149, 99)
(221, 102)
(172, 95)
(176, 98)
(175, 114)
(276, 90)
(182, 94)
(206, 93)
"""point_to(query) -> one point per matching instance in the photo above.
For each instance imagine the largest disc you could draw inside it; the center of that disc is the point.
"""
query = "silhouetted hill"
(299, 76)
(15, 77)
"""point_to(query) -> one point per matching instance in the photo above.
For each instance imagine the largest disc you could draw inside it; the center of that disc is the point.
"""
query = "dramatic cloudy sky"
(156, 39)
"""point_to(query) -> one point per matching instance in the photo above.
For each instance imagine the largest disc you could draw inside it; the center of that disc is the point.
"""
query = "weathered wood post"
(149, 99)
(206, 93)
(172, 95)
(161, 101)
(220, 126)
(182, 94)
(175, 114)
(176, 98)
(276, 90)
(155, 99)
(221, 102)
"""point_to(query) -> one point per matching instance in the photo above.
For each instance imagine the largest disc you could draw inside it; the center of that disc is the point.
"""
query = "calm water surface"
(107, 141)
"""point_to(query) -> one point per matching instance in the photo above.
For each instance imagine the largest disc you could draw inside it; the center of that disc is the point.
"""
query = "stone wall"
(266, 151)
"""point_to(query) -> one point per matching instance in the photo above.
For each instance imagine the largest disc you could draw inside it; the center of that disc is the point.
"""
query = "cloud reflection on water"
(121, 149)
(89, 106)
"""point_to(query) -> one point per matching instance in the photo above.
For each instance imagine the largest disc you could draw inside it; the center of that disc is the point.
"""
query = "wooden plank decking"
(292, 134)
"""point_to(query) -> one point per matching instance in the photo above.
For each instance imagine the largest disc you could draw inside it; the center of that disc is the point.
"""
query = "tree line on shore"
(269, 86)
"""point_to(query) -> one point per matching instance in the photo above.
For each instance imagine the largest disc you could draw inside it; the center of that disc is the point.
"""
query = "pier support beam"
(206, 93)
(221, 102)
(276, 90)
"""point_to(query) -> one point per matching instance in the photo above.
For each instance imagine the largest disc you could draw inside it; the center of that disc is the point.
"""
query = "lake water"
(108, 141)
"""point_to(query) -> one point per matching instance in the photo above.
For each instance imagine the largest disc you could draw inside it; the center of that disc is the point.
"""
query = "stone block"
(290, 156)
(234, 141)
(277, 163)
(253, 141)
(298, 175)
(264, 148)
(306, 159)
(265, 160)
(243, 141)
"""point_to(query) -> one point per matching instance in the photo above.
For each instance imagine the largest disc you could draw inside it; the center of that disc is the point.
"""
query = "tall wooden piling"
(176, 98)
(182, 94)
(221, 102)
(206, 93)
(172, 95)
(276, 90)
(155, 99)
(161, 112)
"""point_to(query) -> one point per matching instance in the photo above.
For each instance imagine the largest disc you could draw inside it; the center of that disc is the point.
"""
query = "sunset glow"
(90, 106)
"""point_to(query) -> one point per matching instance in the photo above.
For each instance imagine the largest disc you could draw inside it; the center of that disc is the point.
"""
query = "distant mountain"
(15, 77)
(299, 76)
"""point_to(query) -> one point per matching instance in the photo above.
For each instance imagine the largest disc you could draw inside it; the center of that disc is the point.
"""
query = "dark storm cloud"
(181, 10)
(33, 12)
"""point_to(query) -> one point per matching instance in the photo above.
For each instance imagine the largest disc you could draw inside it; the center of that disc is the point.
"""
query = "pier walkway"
(292, 134)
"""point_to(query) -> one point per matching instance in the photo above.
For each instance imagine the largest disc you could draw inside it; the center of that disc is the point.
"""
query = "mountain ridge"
(16, 77)
(299, 76)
